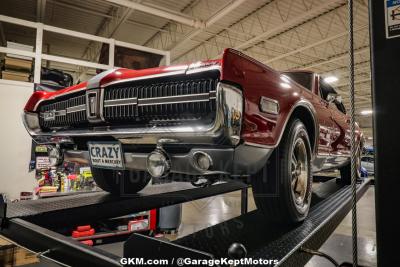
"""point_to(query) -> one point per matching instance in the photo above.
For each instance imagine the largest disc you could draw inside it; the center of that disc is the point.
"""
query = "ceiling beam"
(333, 59)
(358, 81)
(40, 10)
(314, 44)
(295, 21)
(211, 21)
(105, 30)
(163, 13)
(3, 40)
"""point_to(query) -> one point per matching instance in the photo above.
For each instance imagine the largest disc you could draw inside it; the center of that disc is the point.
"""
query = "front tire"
(282, 189)
(120, 182)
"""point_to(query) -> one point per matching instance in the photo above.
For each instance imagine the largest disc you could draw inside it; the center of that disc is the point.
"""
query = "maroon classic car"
(202, 122)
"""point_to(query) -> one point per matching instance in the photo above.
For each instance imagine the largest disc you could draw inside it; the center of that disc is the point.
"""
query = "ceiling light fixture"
(366, 112)
(331, 79)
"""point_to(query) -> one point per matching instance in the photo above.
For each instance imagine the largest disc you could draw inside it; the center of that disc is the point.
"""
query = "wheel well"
(307, 118)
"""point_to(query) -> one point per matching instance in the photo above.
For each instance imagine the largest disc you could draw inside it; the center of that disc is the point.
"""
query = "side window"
(303, 78)
(325, 90)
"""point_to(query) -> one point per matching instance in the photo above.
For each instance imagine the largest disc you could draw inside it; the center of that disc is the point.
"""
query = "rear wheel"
(120, 182)
(282, 189)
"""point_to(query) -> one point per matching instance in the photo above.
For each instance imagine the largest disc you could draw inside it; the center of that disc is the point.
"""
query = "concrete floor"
(203, 213)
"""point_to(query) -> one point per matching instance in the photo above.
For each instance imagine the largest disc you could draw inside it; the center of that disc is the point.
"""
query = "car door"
(326, 124)
(341, 137)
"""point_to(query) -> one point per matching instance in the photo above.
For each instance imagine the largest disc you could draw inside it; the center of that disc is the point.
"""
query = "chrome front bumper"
(240, 161)
(224, 130)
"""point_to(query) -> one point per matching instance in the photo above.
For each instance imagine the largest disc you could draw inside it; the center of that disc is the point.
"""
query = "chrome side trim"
(259, 145)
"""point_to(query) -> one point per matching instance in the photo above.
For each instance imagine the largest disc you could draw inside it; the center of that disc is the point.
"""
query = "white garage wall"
(15, 142)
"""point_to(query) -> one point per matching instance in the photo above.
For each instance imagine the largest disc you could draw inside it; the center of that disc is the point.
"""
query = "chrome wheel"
(300, 174)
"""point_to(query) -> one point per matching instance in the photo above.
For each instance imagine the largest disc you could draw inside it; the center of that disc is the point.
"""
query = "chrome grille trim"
(67, 112)
(120, 102)
(76, 108)
(164, 100)
(171, 100)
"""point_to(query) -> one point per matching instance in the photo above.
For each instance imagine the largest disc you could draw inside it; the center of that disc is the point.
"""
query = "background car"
(368, 162)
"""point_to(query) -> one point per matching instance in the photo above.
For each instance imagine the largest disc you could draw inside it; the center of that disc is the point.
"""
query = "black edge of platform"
(86, 208)
(63, 249)
(277, 242)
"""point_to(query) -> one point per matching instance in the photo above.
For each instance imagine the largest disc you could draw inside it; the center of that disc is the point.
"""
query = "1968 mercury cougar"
(233, 117)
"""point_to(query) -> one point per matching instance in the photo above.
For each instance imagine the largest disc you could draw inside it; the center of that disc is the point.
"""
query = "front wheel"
(120, 182)
(282, 189)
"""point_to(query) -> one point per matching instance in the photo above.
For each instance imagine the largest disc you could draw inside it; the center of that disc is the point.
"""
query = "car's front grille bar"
(64, 113)
(164, 100)
(186, 100)
(134, 103)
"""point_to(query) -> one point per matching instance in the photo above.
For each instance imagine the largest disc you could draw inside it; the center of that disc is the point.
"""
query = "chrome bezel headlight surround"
(230, 107)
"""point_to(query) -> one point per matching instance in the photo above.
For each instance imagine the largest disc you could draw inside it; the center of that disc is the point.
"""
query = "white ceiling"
(285, 34)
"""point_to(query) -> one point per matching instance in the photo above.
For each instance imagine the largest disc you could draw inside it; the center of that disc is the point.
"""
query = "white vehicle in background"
(368, 163)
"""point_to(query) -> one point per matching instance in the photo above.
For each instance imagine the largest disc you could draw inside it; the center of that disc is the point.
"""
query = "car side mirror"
(331, 98)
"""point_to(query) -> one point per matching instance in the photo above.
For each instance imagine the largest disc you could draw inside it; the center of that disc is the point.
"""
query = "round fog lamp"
(157, 164)
(55, 156)
(202, 161)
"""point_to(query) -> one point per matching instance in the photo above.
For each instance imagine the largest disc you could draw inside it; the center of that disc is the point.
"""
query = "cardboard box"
(20, 47)
(15, 75)
(24, 65)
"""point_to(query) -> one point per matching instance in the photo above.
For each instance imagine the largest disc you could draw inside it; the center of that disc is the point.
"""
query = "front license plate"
(106, 155)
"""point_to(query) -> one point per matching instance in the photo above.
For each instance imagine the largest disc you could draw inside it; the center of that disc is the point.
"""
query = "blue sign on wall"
(392, 10)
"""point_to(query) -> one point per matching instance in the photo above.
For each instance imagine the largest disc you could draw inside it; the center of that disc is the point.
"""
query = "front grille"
(161, 102)
(69, 112)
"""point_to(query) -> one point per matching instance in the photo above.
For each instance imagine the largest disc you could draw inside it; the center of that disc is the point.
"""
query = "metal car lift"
(36, 224)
